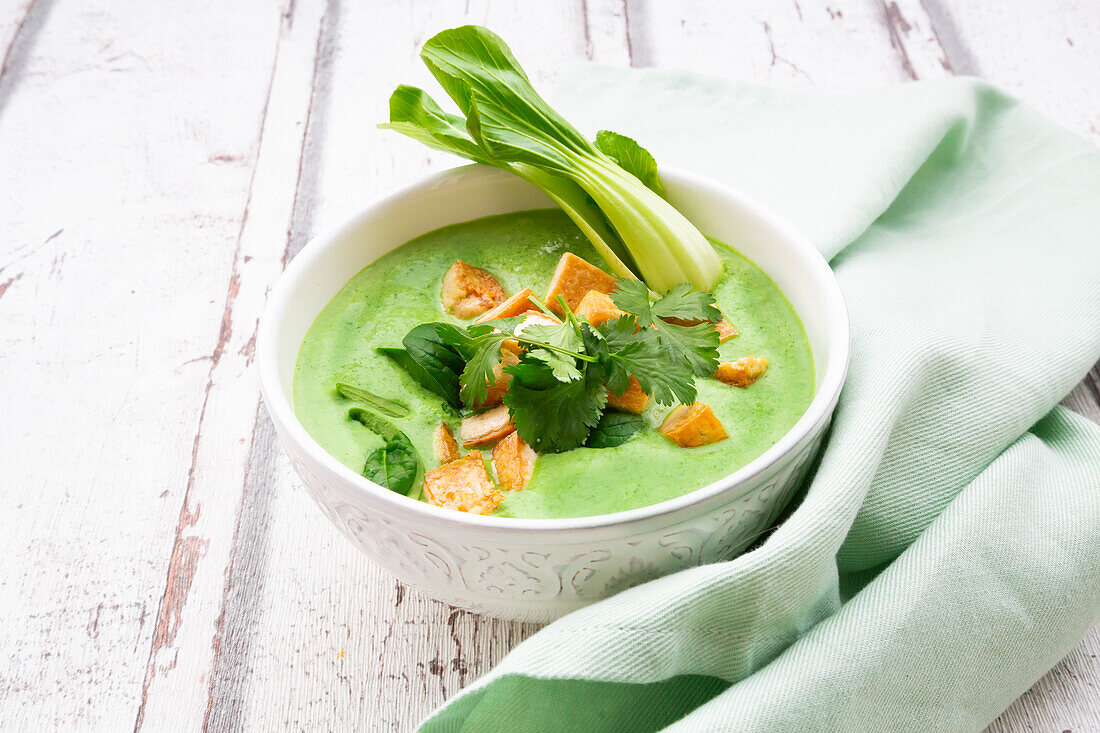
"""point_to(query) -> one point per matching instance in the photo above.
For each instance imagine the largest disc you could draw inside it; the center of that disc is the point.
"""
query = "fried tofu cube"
(633, 400)
(444, 444)
(518, 304)
(500, 379)
(486, 427)
(514, 462)
(690, 426)
(469, 291)
(574, 277)
(726, 331)
(742, 373)
(463, 485)
(597, 308)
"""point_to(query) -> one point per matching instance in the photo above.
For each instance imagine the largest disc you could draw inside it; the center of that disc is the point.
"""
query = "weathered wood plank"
(1064, 699)
(802, 45)
(1048, 55)
(607, 32)
(19, 28)
(126, 148)
(187, 643)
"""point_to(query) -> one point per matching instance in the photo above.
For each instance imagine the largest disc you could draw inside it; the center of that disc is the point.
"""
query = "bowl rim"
(279, 406)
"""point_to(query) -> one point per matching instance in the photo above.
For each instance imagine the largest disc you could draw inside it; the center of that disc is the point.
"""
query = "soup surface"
(401, 290)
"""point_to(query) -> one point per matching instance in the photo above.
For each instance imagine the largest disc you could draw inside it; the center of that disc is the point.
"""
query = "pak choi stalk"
(610, 189)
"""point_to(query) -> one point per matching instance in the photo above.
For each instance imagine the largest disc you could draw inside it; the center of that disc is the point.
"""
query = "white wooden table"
(159, 164)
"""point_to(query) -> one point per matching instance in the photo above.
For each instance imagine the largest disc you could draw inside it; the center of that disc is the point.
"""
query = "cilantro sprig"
(558, 391)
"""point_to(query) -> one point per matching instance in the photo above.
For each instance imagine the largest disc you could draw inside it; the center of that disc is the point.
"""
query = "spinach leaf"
(614, 429)
(433, 363)
(396, 464)
(392, 408)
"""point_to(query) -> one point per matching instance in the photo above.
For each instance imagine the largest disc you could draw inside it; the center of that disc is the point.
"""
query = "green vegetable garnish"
(434, 364)
(391, 408)
(396, 464)
(696, 344)
(610, 188)
(614, 429)
(558, 391)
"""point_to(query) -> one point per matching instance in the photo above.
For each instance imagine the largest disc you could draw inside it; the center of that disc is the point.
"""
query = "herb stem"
(558, 349)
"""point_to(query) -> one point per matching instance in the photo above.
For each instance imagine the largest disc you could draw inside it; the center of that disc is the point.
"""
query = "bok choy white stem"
(609, 188)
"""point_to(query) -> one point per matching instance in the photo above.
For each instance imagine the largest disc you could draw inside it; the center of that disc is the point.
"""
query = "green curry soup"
(401, 290)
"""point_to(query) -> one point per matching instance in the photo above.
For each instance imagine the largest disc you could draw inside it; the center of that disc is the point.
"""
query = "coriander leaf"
(696, 346)
(554, 416)
(391, 408)
(396, 464)
(562, 335)
(631, 157)
(459, 339)
(642, 355)
(632, 296)
(563, 366)
(685, 303)
(620, 332)
(478, 374)
(614, 429)
(480, 345)
(612, 335)
(666, 381)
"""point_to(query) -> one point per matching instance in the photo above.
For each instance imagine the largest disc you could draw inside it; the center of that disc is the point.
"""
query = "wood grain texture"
(190, 620)
(125, 143)
(162, 164)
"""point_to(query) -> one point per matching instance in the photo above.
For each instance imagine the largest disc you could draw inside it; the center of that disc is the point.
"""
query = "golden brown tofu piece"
(469, 291)
(690, 426)
(486, 427)
(574, 277)
(633, 400)
(463, 485)
(518, 304)
(444, 444)
(742, 373)
(514, 462)
(597, 308)
(726, 331)
(500, 379)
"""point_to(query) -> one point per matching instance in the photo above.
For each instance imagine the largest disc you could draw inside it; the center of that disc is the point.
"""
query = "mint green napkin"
(947, 552)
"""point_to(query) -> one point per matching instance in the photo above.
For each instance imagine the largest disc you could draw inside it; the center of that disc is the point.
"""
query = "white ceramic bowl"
(539, 569)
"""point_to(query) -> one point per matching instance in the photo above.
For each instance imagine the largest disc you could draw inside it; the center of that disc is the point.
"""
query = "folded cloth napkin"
(947, 551)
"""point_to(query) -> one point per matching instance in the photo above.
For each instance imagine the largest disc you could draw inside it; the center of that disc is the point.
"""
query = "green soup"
(400, 290)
